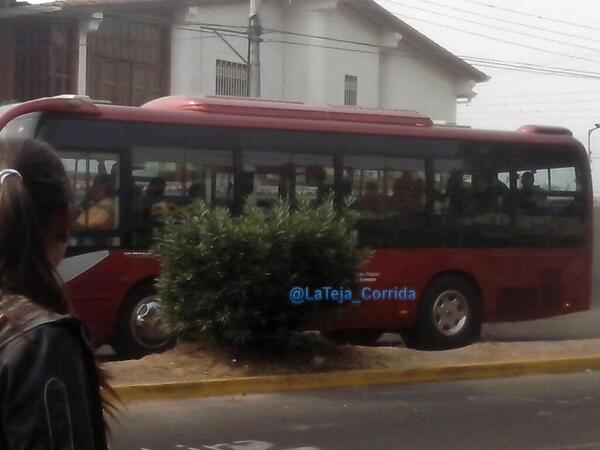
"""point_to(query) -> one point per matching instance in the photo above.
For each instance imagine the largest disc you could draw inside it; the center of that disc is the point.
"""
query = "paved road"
(541, 412)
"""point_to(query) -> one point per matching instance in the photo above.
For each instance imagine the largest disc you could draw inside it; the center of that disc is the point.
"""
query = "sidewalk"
(189, 371)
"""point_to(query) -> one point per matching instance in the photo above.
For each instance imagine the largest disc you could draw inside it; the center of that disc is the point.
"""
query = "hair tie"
(4, 174)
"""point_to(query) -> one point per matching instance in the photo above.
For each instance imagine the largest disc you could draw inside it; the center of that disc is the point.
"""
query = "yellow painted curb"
(353, 378)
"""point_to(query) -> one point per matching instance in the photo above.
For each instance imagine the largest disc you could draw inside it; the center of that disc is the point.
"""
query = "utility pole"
(254, 40)
(596, 126)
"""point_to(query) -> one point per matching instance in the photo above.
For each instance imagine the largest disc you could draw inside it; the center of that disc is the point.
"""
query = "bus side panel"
(96, 294)
(514, 284)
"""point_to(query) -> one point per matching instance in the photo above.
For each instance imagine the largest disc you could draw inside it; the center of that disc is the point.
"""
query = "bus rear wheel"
(449, 316)
(140, 327)
(353, 337)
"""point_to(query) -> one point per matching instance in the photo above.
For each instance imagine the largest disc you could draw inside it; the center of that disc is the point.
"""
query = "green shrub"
(227, 279)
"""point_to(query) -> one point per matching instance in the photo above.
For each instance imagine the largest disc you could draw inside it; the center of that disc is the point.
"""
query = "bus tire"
(352, 337)
(449, 315)
(140, 325)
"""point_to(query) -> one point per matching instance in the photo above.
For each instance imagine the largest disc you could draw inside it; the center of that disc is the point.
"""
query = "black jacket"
(49, 395)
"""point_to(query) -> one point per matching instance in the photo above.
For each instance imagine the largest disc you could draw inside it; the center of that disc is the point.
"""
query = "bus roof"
(270, 114)
(288, 110)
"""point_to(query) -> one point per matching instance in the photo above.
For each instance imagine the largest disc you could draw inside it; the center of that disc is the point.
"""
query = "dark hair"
(28, 206)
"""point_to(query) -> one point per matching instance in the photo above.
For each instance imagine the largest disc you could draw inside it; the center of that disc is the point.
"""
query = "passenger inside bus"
(455, 193)
(408, 195)
(372, 201)
(197, 192)
(156, 208)
(98, 209)
(531, 197)
(316, 181)
(489, 193)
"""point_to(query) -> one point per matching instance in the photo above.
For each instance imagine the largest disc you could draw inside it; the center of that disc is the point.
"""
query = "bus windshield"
(21, 127)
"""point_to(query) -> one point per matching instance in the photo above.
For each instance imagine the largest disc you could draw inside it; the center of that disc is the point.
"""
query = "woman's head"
(34, 221)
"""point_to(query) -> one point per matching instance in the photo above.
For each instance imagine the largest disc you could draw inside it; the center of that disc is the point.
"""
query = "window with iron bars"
(351, 90)
(232, 79)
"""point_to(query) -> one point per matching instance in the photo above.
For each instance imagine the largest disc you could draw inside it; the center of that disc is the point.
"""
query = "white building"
(321, 52)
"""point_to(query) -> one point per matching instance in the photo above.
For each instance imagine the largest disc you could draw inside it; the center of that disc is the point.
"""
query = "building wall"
(409, 80)
(195, 51)
(316, 73)
(8, 56)
(307, 68)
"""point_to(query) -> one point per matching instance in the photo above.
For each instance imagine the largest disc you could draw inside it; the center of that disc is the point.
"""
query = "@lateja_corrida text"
(302, 294)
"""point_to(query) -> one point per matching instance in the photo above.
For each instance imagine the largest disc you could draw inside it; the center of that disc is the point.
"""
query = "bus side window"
(452, 187)
(209, 177)
(95, 188)
(550, 207)
(265, 176)
(166, 180)
(158, 189)
(313, 177)
(96, 194)
(364, 181)
(271, 176)
(390, 197)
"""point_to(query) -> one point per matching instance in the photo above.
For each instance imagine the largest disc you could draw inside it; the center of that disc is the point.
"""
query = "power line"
(304, 44)
(526, 64)
(521, 33)
(475, 104)
(538, 70)
(507, 111)
(344, 41)
(536, 16)
(545, 94)
(528, 67)
(505, 41)
(498, 19)
(521, 67)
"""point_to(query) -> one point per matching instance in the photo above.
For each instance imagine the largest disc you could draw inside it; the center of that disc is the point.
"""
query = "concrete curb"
(354, 378)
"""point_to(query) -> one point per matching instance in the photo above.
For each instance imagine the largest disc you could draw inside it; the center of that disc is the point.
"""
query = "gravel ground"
(188, 362)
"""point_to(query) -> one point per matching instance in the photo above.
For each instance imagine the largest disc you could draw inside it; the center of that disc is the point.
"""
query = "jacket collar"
(18, 315)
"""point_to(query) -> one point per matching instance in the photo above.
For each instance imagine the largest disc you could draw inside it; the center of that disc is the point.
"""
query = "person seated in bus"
(418, 195)
(197, 192)
(408, 195)
(316, 178)
(156, 207)
(489, 193)
(347, 183)
(531, 198)
(372, 201)
(455, 196)
(98, 209)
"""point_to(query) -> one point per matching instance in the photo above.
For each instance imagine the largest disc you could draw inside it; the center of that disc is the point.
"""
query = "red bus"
(483, 225)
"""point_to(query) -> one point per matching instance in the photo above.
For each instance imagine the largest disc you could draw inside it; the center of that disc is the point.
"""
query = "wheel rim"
(450, 312)
(147, 324)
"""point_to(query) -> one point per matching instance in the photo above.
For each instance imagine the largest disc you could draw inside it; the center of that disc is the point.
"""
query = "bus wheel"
(352, 337)
(140, 329)
(449, 316)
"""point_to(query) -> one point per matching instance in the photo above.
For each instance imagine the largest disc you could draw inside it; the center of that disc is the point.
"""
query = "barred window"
(128, 62)
(232, 79)
(351, 90)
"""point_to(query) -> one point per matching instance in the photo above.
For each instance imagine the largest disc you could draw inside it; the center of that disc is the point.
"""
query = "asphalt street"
(546, 412)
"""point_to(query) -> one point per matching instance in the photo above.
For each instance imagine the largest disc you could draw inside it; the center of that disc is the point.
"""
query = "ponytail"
(34, 191)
